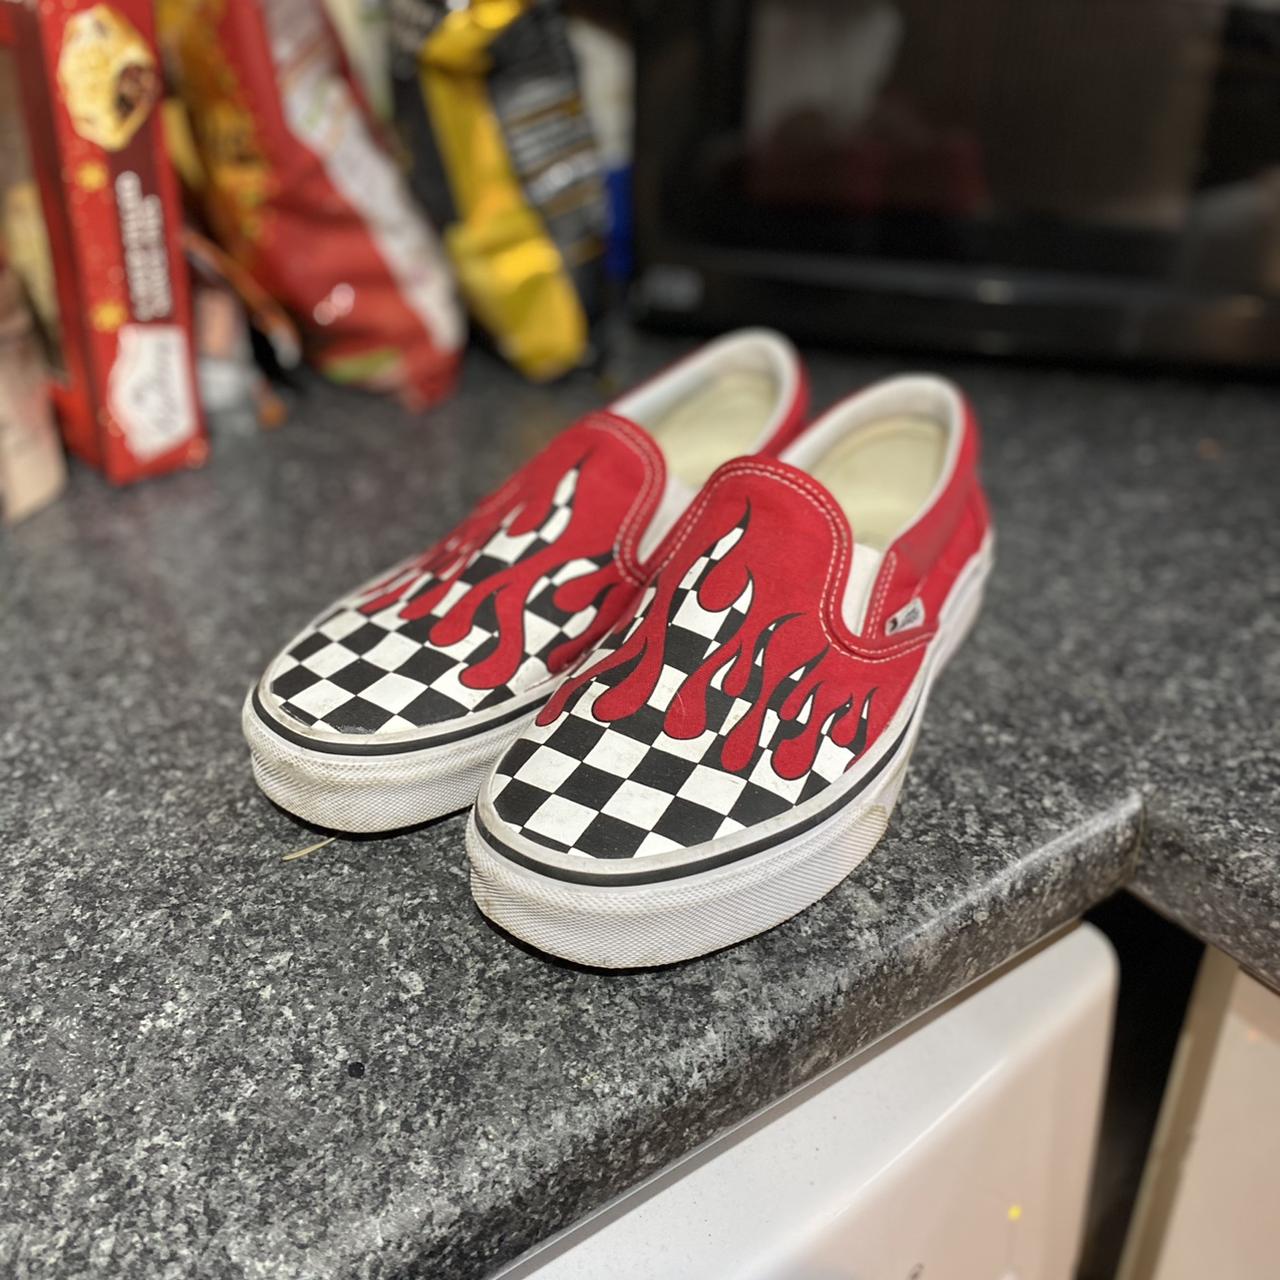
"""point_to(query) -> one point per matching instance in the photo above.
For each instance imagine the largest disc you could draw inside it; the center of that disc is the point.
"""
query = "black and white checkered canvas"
(627, 789)
(354, 672)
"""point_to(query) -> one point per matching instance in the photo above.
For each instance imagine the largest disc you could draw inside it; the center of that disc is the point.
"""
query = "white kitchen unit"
(959, 1148)
(1211, 1191)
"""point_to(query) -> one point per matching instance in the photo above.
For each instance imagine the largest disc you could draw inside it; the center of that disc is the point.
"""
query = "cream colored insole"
(882, 473)
(720, 420)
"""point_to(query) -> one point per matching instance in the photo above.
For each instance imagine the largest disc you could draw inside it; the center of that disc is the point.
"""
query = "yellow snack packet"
(502, 156)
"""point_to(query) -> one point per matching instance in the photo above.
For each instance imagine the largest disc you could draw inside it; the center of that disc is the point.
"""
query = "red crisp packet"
(91, 87)
(301, 193)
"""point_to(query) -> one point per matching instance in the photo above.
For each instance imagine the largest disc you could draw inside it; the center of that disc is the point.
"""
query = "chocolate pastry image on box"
(108, 77)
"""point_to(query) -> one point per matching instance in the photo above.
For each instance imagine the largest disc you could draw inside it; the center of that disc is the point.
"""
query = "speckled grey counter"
(216, 1063)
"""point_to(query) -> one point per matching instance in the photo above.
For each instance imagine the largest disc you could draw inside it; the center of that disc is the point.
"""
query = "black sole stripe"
(384, 748)
(655, 876)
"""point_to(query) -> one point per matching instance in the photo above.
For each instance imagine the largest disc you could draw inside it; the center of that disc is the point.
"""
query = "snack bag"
(124, 385)
(486, 95)
(362, 27)
(299, 191)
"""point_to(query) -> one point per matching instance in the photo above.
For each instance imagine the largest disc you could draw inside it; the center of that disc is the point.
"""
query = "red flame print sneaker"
(733, 749)
(390, 708)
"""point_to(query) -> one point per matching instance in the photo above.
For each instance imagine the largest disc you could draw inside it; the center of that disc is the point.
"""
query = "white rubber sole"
(367, 793)
(637, 925)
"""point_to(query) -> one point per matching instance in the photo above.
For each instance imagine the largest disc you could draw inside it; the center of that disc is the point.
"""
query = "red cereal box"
(91, 87)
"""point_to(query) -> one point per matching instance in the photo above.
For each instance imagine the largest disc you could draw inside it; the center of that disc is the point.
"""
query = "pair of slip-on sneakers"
(677, 663)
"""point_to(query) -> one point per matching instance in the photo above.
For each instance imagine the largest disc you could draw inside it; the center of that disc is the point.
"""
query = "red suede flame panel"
(619, 475)
(792, 555)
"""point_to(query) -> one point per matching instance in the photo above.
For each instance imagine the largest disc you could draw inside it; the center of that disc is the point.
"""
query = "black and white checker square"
(354, 672)
(628, 789)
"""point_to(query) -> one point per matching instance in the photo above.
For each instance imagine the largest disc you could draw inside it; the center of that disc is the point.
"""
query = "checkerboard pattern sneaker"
(733, 747)
(390, 707)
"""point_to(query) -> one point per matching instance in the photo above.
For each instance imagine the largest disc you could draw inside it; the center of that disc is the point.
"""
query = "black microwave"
(1085, 178)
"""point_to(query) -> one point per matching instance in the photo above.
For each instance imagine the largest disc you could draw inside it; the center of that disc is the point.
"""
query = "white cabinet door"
(960, 1148)
(1214, 1205)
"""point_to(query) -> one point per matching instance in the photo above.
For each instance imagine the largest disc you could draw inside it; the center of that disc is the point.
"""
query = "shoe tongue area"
(618, 459)
(612, 432)
(602, 430)
(864, 559)
(790, 533)
(790, 496)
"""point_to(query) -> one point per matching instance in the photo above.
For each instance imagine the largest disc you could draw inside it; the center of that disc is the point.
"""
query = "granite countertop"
(217, 1062)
